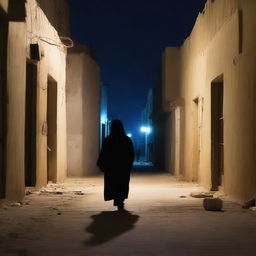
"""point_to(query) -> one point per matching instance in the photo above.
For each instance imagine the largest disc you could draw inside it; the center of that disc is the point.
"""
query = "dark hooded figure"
(115, 160)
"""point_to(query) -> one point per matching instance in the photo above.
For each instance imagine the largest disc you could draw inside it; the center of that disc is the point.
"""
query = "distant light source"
(129, 135)
(145, 129)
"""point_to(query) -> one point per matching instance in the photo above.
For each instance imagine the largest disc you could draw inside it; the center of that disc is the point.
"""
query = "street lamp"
(146, 130)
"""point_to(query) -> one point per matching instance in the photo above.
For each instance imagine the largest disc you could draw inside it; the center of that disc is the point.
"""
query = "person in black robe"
(115, 160)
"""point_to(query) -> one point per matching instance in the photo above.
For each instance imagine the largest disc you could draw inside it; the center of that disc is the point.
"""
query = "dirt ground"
(161, 218)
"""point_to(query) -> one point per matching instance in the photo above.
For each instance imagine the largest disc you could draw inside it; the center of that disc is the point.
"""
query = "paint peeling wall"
(222, 43)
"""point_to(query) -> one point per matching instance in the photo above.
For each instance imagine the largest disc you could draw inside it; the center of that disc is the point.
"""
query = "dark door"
(3, 57)
(30, 125)
(52, 130)
(217, 125)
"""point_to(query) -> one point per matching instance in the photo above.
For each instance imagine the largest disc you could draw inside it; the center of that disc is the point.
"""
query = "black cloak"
(115, 160)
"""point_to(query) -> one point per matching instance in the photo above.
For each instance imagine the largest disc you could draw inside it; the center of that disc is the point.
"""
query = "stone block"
(213, 204)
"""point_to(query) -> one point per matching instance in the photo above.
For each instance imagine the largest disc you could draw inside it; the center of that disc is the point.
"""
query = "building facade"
(158, 124)
(33, 106)
(209, 97)
(83, 111)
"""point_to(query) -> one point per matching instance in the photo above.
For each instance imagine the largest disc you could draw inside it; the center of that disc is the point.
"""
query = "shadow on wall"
(108, 225)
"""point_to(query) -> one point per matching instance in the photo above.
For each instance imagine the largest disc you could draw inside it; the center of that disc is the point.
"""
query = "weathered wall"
(158, 120)
(15, 101)
(221, 43)
(57, 12)
(171, 77)
(53, 64)
(4, 5)
(83, 102)
(16, 77)
(23, 31)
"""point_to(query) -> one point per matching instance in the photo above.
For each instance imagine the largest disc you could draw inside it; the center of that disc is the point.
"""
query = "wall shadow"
(109, 224)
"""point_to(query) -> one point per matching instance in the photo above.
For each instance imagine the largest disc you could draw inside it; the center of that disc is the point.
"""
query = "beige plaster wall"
(83, 90)
(57, 12)
(222, 42)
(16, 77)
(198, 71)
(171, 77)
(52, 63)
(36, 29)
(4, 5)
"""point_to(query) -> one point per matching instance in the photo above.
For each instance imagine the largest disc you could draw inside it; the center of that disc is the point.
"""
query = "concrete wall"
(222, 43)
(83, 117)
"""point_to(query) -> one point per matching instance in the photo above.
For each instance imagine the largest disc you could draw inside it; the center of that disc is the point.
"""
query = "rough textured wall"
(241, 182)
(16, 77)
(170, 77)
(57, 12)
(53, 64)
(35, 30)
(83, 102)
(4, 5)
(198, 71)
(222, 43)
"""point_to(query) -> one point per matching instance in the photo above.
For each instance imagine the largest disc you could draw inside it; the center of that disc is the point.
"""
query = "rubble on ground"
(253, 208)
(249, 204)
(202, 194)
(79, 193)
(15, 204)
(213, 204)
(46, 191)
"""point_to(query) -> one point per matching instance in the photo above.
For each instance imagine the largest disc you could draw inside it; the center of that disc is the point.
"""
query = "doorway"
(196, 140)
(177, 131)
(30, 125)
(52, 130)
(217, 134)
(3, 73)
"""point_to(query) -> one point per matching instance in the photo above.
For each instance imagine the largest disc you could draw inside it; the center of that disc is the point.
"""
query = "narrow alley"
(161, 218)
(115, 86)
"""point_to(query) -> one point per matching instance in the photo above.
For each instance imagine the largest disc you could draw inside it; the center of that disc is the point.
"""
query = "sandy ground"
(161, 219)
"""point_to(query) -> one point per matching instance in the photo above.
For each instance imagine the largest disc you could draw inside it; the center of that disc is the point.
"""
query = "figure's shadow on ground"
(108, 225)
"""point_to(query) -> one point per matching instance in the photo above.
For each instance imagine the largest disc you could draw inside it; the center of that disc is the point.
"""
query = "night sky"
(129, 37)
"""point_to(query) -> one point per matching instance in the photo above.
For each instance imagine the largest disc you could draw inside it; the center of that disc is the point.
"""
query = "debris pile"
(211, 201)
